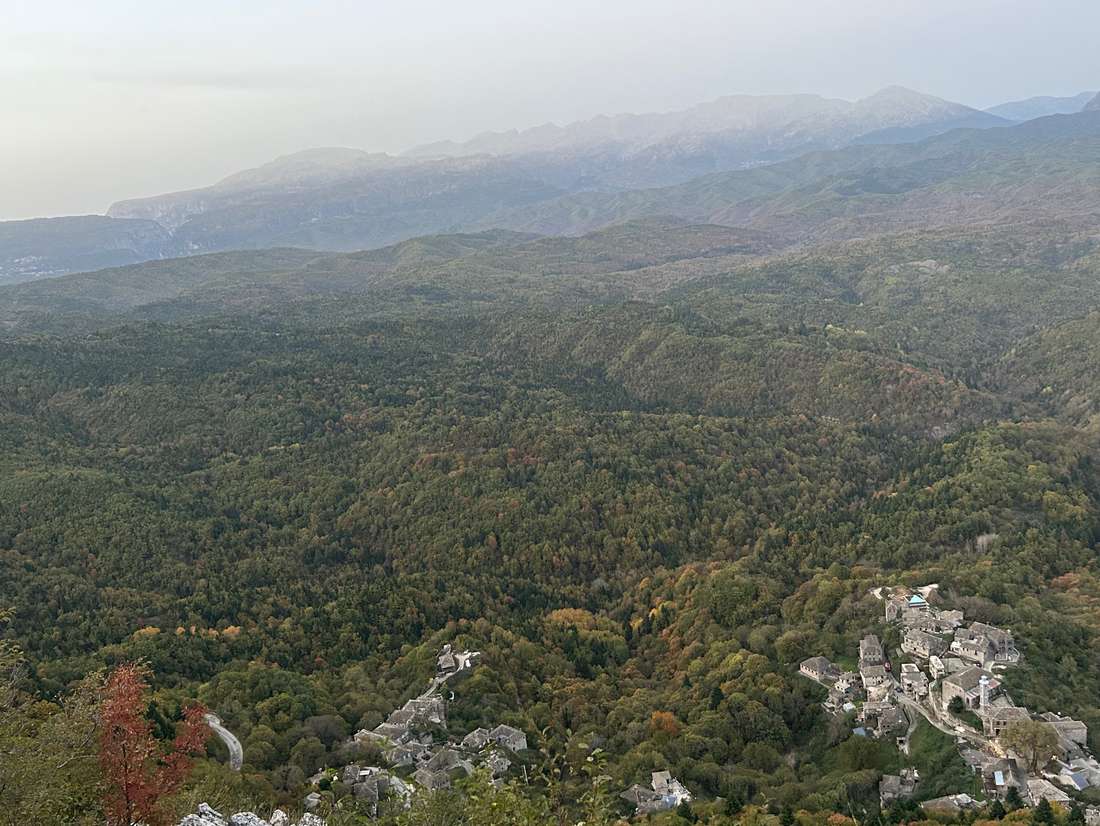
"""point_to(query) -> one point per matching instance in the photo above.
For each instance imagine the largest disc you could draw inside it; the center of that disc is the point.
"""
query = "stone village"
(948, 675)
(421, 757)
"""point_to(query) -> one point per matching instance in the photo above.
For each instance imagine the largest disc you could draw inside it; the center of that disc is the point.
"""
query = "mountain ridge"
(342, 199)
(890, 106)
(1041, 106)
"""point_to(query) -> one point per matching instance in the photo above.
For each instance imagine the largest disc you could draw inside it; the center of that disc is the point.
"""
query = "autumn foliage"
(139, 770)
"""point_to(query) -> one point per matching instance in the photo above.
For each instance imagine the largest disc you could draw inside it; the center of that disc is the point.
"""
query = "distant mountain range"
(1041, 172)
(345, 199)
(1093, 105)
(764, 127)
(1040, 107)
(1049, 167)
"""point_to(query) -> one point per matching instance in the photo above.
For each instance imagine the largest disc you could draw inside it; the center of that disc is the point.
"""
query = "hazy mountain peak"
(1093, 105)
(896, 92)
(893, 101)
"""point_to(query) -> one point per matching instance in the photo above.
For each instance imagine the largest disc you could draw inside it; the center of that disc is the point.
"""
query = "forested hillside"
(645, 471)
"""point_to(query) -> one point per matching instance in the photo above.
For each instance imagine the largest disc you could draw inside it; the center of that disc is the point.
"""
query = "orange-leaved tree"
(140, 771)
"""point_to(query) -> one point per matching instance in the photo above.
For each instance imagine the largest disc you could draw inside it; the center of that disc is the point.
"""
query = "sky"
(106, 100)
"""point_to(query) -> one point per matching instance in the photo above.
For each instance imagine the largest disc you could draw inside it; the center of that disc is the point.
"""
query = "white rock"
(207, 816)
(310, 819)
(279, 818)
(247, 819)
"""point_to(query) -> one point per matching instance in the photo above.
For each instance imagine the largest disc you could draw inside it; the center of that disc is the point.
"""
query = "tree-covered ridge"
(646, 472)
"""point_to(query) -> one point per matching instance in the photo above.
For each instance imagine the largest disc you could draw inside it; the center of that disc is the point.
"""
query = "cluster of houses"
(665, 792)
(951, 666)
(414, 742)
(960, 661)
(369, 785)
(878, 714)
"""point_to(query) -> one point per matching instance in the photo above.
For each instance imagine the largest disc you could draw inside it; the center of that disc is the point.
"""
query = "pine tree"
(997, 810)
(1043, 814)
(684, 811)
(716, 697)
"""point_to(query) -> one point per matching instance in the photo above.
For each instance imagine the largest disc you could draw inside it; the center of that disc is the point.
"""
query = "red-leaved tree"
(139, 770)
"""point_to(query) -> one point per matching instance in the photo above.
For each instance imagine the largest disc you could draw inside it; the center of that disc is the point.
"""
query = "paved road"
(236, 750)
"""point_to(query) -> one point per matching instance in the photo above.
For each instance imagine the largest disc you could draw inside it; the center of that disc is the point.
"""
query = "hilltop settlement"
(950, 673)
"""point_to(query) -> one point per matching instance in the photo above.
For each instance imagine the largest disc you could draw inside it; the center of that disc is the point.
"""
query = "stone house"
(873, 676)
(1038, 788)
(643, 800)
(922, 644)
(1000, 641)
(848, 683)
(476, 740)
(408, 754)
(1072, 734)
(995, 719)
(970, 684)
(936, 667)
(870, 651)
(666, 793)
(436, 773)
(914, 682)
(897, 786)
(975, 648)
(509, 737)
(892, 721)
(1001, 775)
(665, 784)
(820, 669)
(951, 805)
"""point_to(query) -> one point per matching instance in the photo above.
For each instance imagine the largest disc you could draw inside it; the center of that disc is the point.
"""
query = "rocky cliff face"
(207, 816)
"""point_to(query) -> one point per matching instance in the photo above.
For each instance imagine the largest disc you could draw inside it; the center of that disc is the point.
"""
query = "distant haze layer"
(115, 100)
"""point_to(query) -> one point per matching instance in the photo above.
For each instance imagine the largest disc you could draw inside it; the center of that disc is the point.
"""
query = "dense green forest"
(645, 472)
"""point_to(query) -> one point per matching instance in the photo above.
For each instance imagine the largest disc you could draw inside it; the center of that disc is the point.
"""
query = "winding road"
(236, 750)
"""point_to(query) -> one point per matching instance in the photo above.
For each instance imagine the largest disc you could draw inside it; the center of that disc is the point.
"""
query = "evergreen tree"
(716, 697)
(1043, 814)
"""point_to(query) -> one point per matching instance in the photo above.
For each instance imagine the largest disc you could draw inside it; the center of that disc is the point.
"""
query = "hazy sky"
(112, 99)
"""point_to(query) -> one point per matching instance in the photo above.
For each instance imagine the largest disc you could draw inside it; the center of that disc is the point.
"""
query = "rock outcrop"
(206, 815)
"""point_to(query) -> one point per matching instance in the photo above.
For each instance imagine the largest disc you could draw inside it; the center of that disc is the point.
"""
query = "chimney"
(983, 685)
